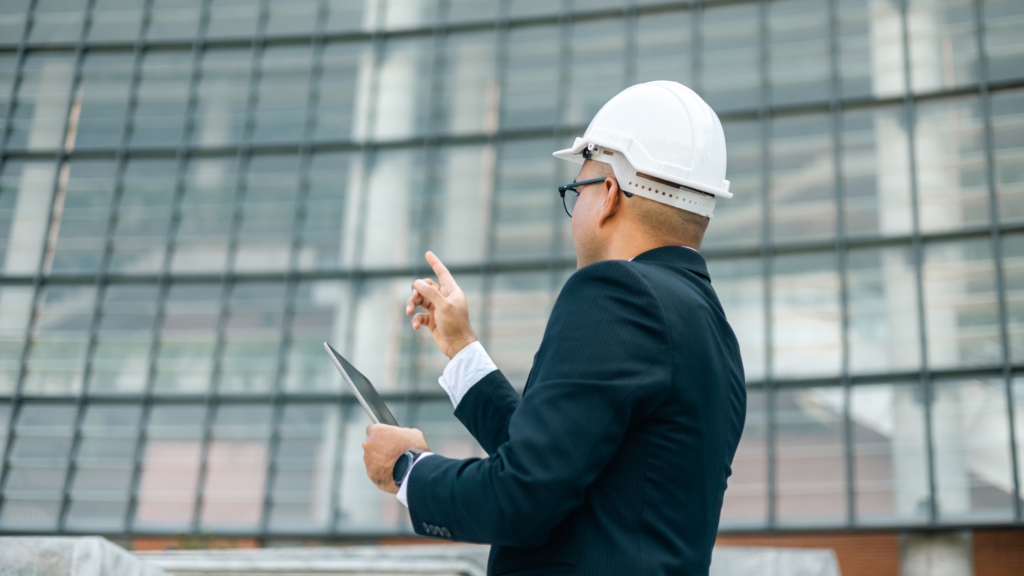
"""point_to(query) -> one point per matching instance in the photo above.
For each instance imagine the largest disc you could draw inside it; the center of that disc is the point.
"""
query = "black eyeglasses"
(569, 202)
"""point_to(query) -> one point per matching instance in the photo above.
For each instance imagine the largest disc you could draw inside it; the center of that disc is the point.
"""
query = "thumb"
(431, 293)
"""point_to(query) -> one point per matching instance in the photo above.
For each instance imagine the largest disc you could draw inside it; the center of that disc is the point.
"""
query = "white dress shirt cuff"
(468, 367)
(403, 490)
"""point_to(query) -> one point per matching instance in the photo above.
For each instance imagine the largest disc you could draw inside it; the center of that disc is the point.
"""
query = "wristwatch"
(403, 464)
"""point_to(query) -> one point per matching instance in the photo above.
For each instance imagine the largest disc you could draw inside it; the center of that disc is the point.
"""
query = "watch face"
(401, 466)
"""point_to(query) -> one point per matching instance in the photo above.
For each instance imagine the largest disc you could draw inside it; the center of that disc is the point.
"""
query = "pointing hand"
(447, 315)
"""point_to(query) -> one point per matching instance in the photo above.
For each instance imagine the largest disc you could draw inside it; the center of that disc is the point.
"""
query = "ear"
(611, 203)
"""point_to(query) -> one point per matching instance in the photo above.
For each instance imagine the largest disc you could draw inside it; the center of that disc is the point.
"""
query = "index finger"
(443, 275)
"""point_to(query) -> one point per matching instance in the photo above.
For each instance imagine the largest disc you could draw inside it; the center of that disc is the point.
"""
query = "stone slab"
(69, 556)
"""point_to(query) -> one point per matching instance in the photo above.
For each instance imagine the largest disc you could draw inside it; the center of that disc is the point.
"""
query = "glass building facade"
(194, 194)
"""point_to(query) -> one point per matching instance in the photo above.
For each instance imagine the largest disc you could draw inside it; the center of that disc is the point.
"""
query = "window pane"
(445, 434)
(187, 338)
(971, 435)
(13, 14)
(731, 57)
(120, 362)
(348, 16)
(529, 98)
(292, 17)
(320, 315)
(746, 498)
(170, 469)
(252, 338)
(403, 89)
(799, 46)
(81, 228)
(144, 216)
(393, 226)
(890, 465)
(468, 102)
(103, 100)
(162, 98)
(41, 107)
(236, 468)
(103, 468)
(597, 68)
(57, 357)
(811, 467)
(1008, 153)
(304, 468)
(802, 179)
(331, 216)
(206, 211)
(1003, 43)
(664, 48)
(870, 48)
(399, 14)
(1013, 271)
(527, 201)
(38, 466)
(8, 71)
(222, 96)
(339, 84)
(519, 309)
(233, 18)
(1018, 422)
(961, 313)
(57, 20)
(26, 190)
(805, 315)
(15, 308)
(740, 287)
(174, 19)
(950, 153)
(268, 214)
(943, 44)
(461, 205)
(283, 93)
(472, 10)
(738, 220)
(884, 333)
(114, 20)
(875, 172)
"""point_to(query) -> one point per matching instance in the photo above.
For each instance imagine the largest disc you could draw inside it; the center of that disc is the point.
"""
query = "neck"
(629, 246)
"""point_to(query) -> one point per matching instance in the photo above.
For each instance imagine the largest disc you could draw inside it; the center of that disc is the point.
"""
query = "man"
(615, 458)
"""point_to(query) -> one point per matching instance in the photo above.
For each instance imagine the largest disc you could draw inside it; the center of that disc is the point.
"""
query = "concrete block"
(69, 556)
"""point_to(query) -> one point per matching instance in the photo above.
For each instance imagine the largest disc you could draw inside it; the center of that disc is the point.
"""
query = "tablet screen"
(362, 388)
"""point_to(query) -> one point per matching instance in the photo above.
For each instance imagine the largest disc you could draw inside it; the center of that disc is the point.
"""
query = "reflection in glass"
(730, 61)
(115, 20)
(331, 216)
(738, 220)
(882, 318)
(961, 312)
(170, 468)
(740, 287)
(810, 471)
(870, 48)
(268, 214)
(664, 49)
(362, 508)
(236, 468)
(300, 489)
(519, 308)
(943, 44)
(970, 436)
(120, 362)
(875, 172)
(57, 356)
(103, 468)
(202, 241)
(177, 19)
(143, 217)
(805, 315)
(1001, 22)
(950, 157)
(1008, 153)
(530, 92)
(799, 46)
(26, 189)
(38, 466)
(280, 114)
(890, 465)
(746, 498)
(528, 205)
(597, 68)
(84, 217)
(1017, 389)
(802, 179)
(393, 225)
(403, 89)
(13, 14)
(462, 204)
(57, 20)
(187, 338)
(233, 18)
(468, 99)
(15, 308)
(103, 97)
(252, 338)
(292, 17)
(1013, 280)
(221, 97)
(41, 106)
(162, 98)
(339, 87)
(320, 314)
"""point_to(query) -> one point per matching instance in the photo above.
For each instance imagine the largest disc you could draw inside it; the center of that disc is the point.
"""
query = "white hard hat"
(663, 142)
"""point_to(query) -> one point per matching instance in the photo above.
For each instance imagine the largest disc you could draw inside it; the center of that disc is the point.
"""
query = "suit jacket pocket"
(547, 569)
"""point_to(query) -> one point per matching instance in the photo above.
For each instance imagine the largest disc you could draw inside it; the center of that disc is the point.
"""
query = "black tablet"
(362, 388)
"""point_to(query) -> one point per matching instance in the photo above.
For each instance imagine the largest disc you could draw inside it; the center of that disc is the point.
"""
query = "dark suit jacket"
(615, 459)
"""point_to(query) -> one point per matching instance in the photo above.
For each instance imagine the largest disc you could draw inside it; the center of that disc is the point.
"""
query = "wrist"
(459, 346)
(403, 464)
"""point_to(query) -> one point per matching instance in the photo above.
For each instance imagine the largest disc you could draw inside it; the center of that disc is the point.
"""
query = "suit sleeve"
(486, 410)
(604, 362)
